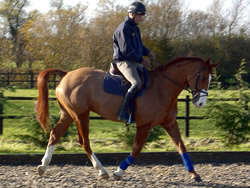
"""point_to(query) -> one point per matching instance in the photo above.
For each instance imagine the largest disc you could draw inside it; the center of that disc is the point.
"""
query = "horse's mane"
(177, 60)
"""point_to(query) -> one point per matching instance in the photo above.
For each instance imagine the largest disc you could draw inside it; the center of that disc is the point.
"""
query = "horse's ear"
(214, 65)
(207, 62)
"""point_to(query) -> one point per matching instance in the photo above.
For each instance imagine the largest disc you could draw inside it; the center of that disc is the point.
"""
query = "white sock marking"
(97, 164)
(48, 156)
(119, 172)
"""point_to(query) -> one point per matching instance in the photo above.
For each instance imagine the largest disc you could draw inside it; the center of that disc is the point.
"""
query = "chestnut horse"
(81, 91)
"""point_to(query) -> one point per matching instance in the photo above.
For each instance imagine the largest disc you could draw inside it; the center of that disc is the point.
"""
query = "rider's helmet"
(137, 8)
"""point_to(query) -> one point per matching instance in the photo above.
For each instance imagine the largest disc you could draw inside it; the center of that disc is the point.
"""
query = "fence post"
(31, 79)
(54, 80)
(8, 78)
(187, 117)
(246, 105)
(1, 113)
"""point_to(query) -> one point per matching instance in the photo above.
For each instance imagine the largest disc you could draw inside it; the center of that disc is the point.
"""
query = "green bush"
(233, 118)
(36, 135)
(127, 134)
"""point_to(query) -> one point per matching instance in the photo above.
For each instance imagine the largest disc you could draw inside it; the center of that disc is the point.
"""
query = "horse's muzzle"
(195, 98)
(199, 99)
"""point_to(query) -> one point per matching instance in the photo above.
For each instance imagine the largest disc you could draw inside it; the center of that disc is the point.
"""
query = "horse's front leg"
(140, 138)
(174, 133)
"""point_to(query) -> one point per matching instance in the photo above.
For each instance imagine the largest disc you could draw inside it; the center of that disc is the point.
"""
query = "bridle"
(195, 91)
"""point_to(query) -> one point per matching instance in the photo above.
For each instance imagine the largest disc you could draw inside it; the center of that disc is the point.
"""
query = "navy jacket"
(127, 42)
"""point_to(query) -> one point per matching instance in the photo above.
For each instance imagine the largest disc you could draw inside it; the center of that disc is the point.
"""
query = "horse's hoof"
(116, 177)
(40, 170)
(103, 176)
(196, 177)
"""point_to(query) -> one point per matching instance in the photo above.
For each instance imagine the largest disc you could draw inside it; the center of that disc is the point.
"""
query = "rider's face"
(138, 18)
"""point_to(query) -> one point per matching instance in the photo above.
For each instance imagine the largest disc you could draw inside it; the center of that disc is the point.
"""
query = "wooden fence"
(187, 116)
(25, 80)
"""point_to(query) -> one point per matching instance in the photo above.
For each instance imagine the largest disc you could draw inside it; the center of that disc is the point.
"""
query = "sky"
(44, 5)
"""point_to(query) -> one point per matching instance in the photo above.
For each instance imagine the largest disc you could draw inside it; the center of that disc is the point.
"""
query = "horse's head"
(199, 83)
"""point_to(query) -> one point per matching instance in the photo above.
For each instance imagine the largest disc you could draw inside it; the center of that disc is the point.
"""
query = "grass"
(104, 134)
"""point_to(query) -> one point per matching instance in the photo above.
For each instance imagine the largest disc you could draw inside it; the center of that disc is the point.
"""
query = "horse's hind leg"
(174, 133)
(55, 135)
(83, 131)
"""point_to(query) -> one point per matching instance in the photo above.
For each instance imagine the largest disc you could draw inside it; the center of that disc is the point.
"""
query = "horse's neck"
(174, 79)
(182, 71)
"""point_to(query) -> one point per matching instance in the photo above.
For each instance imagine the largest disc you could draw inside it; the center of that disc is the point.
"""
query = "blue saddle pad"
(113, 84)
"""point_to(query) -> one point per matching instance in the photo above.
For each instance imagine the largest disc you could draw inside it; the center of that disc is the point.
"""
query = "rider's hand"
(151, 56)
(146, 63)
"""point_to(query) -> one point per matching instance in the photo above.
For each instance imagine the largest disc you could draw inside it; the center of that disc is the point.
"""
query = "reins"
(177, 84)
(193, 92)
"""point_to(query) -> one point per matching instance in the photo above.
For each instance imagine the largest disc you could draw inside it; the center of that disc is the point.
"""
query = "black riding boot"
(123, 114)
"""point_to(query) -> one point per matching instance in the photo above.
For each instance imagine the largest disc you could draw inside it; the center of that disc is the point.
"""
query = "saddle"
(115, 83)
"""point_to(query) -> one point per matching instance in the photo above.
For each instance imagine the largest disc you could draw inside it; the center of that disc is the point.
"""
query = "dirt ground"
(154, 176)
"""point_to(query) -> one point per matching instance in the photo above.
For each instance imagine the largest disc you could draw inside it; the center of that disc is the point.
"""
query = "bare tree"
(236, 14)
(164, 20)
(57, 3)
(13, 11)
(216, 21)
(197, 24)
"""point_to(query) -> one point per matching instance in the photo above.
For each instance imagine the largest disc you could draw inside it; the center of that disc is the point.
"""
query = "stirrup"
(130, 120)
(122, 118)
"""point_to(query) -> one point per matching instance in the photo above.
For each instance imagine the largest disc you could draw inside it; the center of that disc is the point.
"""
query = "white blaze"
(203, 98)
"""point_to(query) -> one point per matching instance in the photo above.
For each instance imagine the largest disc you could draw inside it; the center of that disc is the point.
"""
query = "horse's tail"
(42, 107)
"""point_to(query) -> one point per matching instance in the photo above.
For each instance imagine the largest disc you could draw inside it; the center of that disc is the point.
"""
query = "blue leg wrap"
(187, 162)
(125, 163)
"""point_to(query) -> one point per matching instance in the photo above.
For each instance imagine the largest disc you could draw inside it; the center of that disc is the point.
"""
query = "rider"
(128, 52)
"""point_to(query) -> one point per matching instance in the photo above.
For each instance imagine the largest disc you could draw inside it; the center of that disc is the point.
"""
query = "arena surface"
(213, 175)
(153, 170)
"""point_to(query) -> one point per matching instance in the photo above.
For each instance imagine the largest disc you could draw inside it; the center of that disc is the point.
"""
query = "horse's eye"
(203, 79)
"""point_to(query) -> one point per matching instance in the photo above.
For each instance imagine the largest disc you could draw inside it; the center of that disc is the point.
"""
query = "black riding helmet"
(137, 8)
